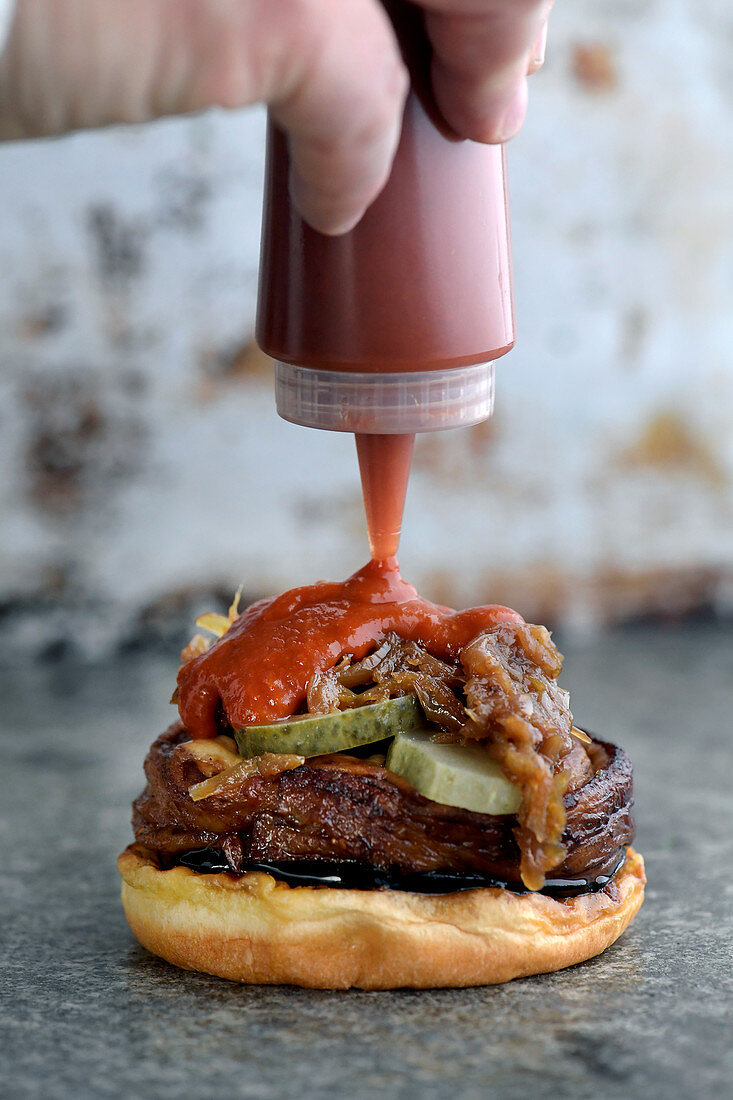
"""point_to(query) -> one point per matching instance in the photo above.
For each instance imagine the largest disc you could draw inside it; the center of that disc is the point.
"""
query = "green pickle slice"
(455, 775)
(315, 734)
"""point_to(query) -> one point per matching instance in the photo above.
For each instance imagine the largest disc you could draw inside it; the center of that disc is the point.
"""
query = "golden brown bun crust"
(257, 930)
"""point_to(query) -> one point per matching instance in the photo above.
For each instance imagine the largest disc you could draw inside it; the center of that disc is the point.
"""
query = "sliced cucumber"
(315, 734)
(455, 775)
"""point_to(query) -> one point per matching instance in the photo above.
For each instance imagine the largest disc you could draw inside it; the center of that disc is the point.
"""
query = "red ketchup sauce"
(384, 464)
(259, 670)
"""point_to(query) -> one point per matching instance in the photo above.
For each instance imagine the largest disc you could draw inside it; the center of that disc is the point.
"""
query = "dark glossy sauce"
(363, 876)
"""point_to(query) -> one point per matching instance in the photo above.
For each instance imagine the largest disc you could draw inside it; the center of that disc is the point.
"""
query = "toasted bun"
(256, 929)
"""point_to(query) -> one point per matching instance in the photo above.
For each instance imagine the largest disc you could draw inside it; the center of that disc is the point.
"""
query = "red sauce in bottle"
(259, 670)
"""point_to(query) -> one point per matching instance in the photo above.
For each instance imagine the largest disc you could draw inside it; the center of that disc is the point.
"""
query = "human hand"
(330, 71)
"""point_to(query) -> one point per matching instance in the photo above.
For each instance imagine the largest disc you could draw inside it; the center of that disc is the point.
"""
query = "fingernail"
(336, 227)
(513, 116)
(540, 47)
(325, 217)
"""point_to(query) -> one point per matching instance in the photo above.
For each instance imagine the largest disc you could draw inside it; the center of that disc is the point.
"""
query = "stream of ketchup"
(384, 464)
(259, 670)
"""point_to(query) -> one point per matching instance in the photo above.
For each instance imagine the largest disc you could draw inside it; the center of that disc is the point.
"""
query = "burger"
(365, 789)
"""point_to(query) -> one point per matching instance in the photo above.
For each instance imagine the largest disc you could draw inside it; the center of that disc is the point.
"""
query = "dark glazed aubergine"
(341, 809)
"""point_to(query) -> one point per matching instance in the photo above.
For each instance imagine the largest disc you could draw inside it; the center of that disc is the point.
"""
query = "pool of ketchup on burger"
(259, 670)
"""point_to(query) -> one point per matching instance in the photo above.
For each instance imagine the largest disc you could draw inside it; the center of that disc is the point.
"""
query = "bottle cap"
(385, 403)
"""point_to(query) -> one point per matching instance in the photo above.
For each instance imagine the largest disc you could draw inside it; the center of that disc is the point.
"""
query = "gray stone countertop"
(88, 1013)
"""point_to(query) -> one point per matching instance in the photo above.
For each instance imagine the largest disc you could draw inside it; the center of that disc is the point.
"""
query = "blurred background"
(146, 474)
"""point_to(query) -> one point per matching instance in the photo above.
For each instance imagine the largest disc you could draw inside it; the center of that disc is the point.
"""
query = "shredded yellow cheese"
(219, 624)
(215, 624)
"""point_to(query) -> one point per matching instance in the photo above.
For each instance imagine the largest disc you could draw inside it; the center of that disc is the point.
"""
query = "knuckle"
(372, 131)
(396, 80)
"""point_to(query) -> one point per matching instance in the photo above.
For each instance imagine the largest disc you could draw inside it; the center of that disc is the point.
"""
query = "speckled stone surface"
(87, 1013)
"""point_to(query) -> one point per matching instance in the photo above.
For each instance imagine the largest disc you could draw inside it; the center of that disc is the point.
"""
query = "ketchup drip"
(384, 464)
(260, 669)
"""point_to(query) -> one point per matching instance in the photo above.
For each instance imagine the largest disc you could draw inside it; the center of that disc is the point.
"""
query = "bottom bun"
(255, 929)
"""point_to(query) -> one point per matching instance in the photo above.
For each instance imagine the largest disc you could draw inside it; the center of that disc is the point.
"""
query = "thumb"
(331, 73)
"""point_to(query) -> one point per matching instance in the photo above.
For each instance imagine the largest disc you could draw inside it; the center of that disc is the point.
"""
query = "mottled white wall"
(142, 458)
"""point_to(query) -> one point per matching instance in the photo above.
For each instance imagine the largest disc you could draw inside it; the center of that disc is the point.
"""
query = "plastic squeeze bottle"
(392, 328)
